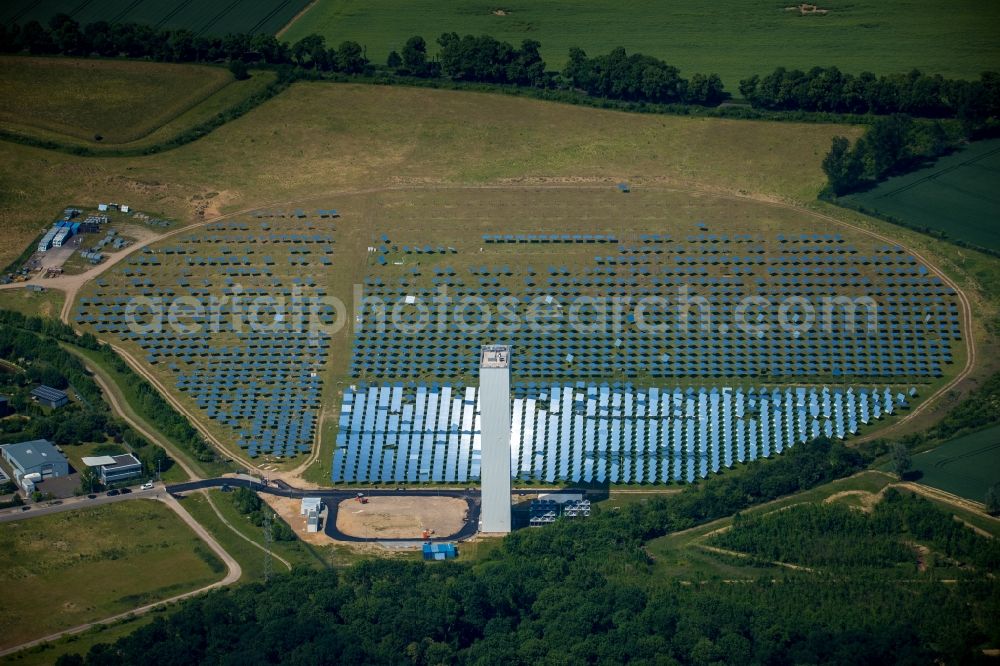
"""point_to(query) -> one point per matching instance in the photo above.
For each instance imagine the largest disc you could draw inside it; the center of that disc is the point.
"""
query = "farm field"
(732, 38)
(89, 564)
(129, 105)
(201, 18)
(966, 466)
(957, 195)
(119, 101)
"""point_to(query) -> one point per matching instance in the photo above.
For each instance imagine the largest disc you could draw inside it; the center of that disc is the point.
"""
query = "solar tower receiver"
(494, 405)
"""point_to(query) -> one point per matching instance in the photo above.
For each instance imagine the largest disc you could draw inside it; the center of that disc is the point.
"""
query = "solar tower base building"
(494, 406)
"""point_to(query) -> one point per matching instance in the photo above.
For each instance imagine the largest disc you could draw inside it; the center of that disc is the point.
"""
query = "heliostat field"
(664, 338)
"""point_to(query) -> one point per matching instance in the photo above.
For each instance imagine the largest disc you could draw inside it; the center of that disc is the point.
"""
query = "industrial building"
(494, 397)
(311, 508)
(34, 461)
(115, 469)
(50, 397)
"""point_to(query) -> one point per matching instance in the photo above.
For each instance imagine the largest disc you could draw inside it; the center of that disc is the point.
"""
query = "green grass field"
(46, 303)
(66, 569)
(118, 100)
(957, 195)
(47, 653)
(318, 138)
(733, 38)
(966, 466)
(129, 105)
(202, 18)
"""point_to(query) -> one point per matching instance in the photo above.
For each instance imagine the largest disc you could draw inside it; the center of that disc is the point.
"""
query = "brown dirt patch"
(288, 509)
(401, 517)
(868, 500)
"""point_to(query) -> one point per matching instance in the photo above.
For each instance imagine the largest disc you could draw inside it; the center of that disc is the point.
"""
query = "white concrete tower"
(494, 405)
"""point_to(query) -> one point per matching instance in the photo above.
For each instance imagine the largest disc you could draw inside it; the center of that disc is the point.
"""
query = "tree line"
(891, 145)
(581, 591)
(827, 89)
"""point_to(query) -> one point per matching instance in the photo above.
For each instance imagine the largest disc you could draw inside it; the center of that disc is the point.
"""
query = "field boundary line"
(281, 32)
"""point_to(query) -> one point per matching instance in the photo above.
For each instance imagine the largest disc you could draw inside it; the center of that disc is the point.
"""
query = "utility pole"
(268, 538)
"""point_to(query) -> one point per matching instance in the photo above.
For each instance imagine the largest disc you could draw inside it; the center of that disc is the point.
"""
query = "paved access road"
(73, 503)
(333, 498)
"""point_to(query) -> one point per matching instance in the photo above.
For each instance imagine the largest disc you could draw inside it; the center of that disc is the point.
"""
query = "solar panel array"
(917, 314)
(590, 432)
(263, 385)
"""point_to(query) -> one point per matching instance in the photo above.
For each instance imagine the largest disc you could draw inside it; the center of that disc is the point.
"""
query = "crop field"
(733, 38)
(201, 18)
(89, 564)
(119, 101)
(966, 466)
(957, 195)
(115, 104)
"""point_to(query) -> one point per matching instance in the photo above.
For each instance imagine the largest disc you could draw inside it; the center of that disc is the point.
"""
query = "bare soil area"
(401, 517)
(288, 508)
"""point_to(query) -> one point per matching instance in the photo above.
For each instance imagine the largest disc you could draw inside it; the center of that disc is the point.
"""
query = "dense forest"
(837, 536)
(583, 592)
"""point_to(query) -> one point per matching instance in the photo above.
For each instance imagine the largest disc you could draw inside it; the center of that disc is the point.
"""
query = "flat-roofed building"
(115, 469)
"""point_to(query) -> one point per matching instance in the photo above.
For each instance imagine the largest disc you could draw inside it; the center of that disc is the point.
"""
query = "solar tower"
(494, 405)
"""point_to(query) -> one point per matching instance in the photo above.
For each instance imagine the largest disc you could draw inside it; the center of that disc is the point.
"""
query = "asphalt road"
(73, 503)
(332, 499)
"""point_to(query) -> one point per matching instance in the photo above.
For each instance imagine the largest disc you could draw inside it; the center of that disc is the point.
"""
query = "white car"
(146, 486)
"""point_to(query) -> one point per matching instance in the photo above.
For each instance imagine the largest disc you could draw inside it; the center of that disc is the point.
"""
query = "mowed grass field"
(202, 18)
(957, 195)
(65, 569)
(734, 38)
(112, 103)
(320, 138)
(966, 466)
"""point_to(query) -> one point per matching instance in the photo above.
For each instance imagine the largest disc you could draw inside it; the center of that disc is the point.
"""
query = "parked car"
(25, 508)
(147, 486)
(126, 491)
(113, 493)
(91, 496)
